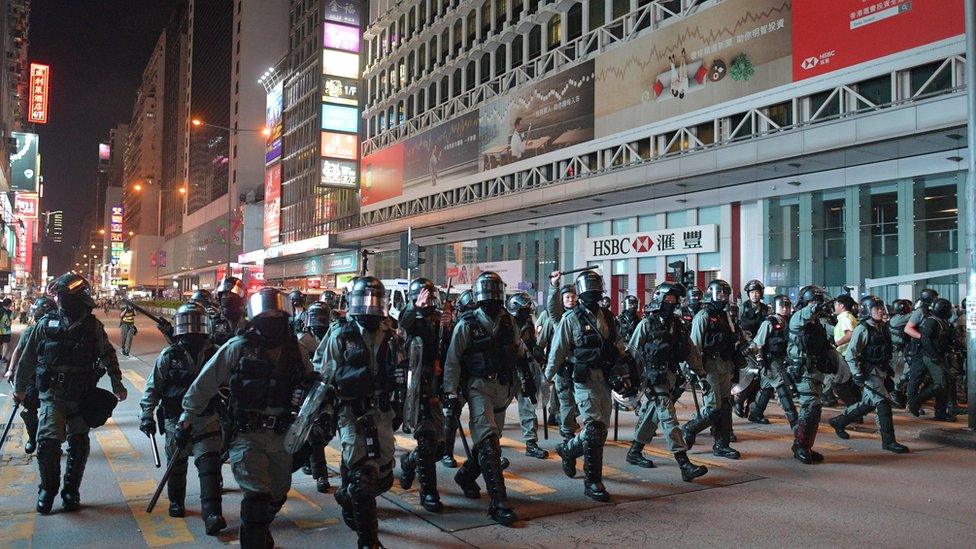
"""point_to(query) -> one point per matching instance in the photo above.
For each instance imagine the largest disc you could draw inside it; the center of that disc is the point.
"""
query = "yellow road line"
(17, 484)
(137, 380)
(305, 513)
(135, 481)
(517, 483)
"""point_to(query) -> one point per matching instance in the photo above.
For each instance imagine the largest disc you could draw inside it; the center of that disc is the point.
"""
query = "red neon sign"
(40, 78)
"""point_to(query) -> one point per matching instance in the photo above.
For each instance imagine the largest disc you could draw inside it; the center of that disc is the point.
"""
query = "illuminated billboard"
(342, 119)
(338, 173)
(340, 63)
(341, 37)
(340, 145)
(24, 163)
(342, 91)
(342, 11)
(104, 152)
(272, 204)
(40, 79)
(115, 234)
(272, 121)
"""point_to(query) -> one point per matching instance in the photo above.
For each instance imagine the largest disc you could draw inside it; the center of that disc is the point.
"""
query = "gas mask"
(193, 343)
(491, 307)
(319, 331)
(666, 309)
(272, 329)
(717, 306)
(369, 323)
(523, 314)
(591, 300)
(73, 306)
(231, 307)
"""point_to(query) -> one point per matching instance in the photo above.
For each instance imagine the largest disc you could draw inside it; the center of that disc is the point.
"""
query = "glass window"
(783, 237)
(501, 13)
(535, 42)
(940, 223)
(876, 90)
(781, 114)
(920, 75)
(555, 32)
(834, 243)
(620, 8)
(594, 229)
(677, 219)
(597, 13)
(647, 223)
(575, 24)
(883, 225)
(832, 107)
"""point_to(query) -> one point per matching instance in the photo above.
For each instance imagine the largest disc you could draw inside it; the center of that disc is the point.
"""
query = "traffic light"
(679, 270)
(415, 255)
(404, 246)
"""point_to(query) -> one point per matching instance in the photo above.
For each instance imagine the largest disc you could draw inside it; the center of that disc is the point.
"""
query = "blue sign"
(338, 118)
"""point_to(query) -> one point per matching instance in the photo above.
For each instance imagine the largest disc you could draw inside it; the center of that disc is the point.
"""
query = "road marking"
(305, 513)
(137, 380)
(17, 483)
(518, 483)
(135, 481)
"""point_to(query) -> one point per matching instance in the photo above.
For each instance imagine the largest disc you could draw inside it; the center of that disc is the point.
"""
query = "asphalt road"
(861, 495)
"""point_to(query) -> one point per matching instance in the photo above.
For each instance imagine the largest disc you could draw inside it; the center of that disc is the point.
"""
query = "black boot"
(450, 435)
(840, 423)
(805, 434)
(689, 471)
(49, 471)
(786, 402)
(593, 487)
(211, 505)
(758, 408)
(256, 519)
(635, 456)
(489, 457)
(427, 475)
(176, 492)
(74, 470)
(569, 451)
(29, 416)
(467, 476)
(886, 427)
(723, 423)
(318, 468)
(532, 450)
(367, 524)
(697, 424)
(408, 469)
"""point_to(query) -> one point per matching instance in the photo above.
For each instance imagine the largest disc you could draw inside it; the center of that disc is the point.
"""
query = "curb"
(958, 438)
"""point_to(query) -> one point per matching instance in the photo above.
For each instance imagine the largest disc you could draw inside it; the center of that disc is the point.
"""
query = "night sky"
(97, 50)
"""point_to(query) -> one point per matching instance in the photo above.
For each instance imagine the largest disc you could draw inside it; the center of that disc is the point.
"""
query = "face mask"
(369, 323)
(319, 331)
(273, 329)
(666, 309)
(74, 307)
(591, 300)
(194, 343)
(523, 315)
(230, 308)
(491, 308)
(717, 306)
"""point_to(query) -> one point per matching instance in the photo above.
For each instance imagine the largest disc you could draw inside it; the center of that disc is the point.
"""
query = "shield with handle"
(299, 430)
(411, 400)
(747, 375)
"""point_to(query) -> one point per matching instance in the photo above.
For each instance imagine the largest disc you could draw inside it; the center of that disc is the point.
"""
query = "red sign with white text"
(828, 36)
(272, 204)
(25, 205)
(40, 79)
(25, 244)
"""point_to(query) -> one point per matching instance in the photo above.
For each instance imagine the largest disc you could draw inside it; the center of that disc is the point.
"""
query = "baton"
(579, 270)
(545, 420)
(464, 439)
(152, 438)
(863, 386)
(694, 396)
(151, 316)
(169, 471)
(616, 420)
(10, 422)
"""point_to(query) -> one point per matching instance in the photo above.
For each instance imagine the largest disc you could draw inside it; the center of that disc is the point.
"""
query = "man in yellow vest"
(127, 325)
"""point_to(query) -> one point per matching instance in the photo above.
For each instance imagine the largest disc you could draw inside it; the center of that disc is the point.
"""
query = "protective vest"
(298, 323)
(356, 378)
(664, 347)
(627, 323)
(257, 384)
(128, 316)
(897, 331)
(752, 316)
(590, 349)
(719, 339)
(777, 339)
(68, 358)
(878, 350)
(811, 338)
(223, 330)
(181, 371)
(486, 355)
(936, 337)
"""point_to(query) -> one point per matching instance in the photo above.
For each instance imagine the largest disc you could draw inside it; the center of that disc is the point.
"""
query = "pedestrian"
(25, 307)
(127, 328)
(6, 328)
(838, 386)
(263, 369)
(176, 367)
(69, 352)
(361, 361)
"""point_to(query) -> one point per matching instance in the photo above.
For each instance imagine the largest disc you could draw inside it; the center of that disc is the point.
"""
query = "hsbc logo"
(642, 244)
(810, 62)
(680, 240)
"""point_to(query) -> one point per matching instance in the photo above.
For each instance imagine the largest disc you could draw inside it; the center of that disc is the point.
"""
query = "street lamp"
(196, 122)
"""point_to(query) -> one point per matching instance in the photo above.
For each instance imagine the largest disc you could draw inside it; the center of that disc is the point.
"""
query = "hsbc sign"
(698, 239)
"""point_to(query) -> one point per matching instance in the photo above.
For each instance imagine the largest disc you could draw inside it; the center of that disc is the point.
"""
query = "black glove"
(148, 426)
(859, 378)
(453, 406)
(735, 374)
(705, 386)
(182, 435)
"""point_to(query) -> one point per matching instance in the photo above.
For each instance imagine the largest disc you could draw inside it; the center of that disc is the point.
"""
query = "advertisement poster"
(382, 175)
(550, 115)
(466, 273)
(338, 173)
(447, 150)
(25, 244)
(343, 91)
(828, 36)
(24, 163)
(340, 37)
(340, 145)
(272, 120)
(342, 11)
(272, 204)
(731, 50)
(342, 119)
(698, 239)
(25, 205)
(40, 80)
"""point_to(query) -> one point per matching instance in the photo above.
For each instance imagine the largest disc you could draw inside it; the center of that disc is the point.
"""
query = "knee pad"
(256, 508)
(49, 447)
(208, 464)
(79, 444)
(362, 482)
(596, 432)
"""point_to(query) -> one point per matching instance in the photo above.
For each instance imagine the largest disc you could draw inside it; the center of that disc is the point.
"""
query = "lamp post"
(196, 122)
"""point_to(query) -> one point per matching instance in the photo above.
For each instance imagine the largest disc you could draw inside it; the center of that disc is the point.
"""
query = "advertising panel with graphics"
(731, 50)
(24, 163)
(552, 114)
(272, 204)
(382, 175)
(272, 120)
(340, 95)
(828, 36)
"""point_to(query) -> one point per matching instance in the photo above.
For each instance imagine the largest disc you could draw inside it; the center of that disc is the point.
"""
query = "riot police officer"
(627, 319)
(318, 318)
(481, 364)
(770, 344)
(811, 356)
(421, 325)
(466, 305)
(938, 340)
(587, 336)
(901, 310)
(68, 352)
(175, 369)
(693, 304)
(718, 338)
(530, 373)
(229, 321)
(205, 299)
(869, 357)
(267, 372)
(660, 343)
(360, 360)
(330, 298)
(565, 299)
(297, 299)
(31, 402)
(752, 313)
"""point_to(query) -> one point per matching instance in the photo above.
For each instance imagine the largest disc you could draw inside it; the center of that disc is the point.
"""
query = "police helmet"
(203, 297)
(268, 302)
(808, 294)
(869, 302)
(520, 301)
(928, 296)
(330, 298)
(942, 308)
(367, 297)
(466, 301)
(901, 306)
(589, 282)
(318, 315)
(232, 285)
(297, 298)
(719, 290)
(693, 295)
(753, 285)
(631, 303)
(41, 307)
(191, 318)
(74, 285)
(782, 300)
(420, 284)
(489, 287)
(662, 291)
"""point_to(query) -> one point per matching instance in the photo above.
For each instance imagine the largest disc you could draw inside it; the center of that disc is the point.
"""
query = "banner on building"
(828, 36)
(40, 81)
(272, 204)
(272, 120)
(698, 239)
(25, 163)
(466, 273)
(25, 205)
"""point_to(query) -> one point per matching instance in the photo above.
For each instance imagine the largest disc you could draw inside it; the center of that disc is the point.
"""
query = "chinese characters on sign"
(116, 235)
(683, 240)
(340, 94)
(39, 80)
